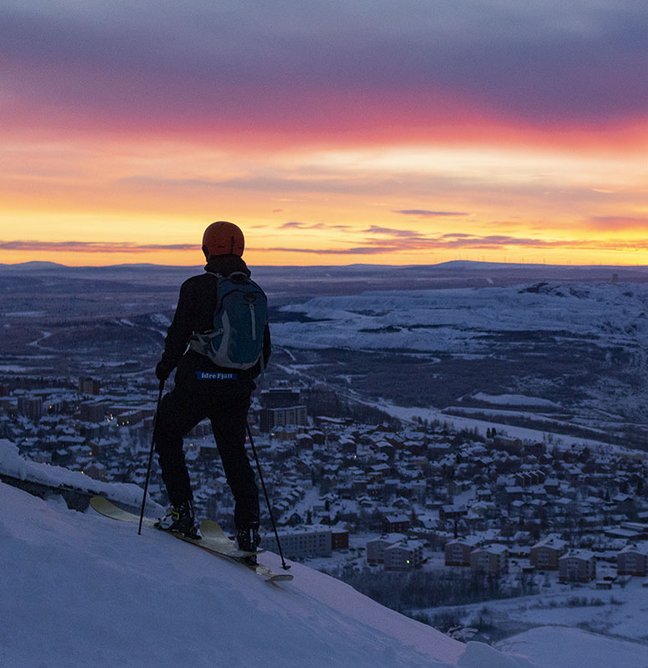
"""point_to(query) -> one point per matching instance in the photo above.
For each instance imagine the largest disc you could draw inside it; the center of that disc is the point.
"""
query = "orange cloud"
(68, 247)
(324, 131)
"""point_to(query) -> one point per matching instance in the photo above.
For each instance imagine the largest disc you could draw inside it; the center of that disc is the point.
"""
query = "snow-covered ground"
(410, 414)
(514, 400)
(78, 589)
(12, 464)
(620, 612)
(82, 590)
(557, 647)
(446, 320)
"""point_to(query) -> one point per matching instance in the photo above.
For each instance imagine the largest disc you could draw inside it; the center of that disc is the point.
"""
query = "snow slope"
(82, 590)
(78, 589)
(557, 646)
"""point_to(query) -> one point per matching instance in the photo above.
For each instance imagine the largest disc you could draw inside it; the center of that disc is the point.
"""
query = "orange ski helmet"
(223, 238)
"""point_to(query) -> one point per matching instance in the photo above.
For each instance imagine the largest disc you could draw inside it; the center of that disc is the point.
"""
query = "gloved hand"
(163, 370)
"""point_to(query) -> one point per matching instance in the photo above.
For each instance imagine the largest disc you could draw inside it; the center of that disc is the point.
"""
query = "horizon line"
(49, 263)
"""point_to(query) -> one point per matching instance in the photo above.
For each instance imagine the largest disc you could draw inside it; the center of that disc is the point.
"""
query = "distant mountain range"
(297, 282)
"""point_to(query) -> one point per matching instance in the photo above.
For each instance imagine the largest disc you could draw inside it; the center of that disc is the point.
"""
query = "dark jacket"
(195, 312)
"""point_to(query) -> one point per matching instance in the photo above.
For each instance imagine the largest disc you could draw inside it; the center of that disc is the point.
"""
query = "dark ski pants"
(226, 404)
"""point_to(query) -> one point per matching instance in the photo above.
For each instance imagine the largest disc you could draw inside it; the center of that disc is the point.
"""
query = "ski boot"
(248, 540)
(180, 519)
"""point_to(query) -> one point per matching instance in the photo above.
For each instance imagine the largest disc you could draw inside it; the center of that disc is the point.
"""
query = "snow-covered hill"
(570, 348)
(78, 589)
(458, 320)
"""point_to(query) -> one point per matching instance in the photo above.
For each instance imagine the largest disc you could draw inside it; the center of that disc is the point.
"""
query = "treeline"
(428, 589)
(322, 400)
(630, 436)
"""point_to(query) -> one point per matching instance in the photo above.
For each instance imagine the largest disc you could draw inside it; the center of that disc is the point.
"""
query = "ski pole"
(284, 565)
(150, 458)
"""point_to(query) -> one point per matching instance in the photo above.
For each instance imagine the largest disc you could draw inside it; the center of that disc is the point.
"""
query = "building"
(529, 478)
(514, 493)
(376, 548)
(303, 543)
(489, 559)
(458, 551)
(281, 407)
(130, 417)
(31, 407)
(280, 397)
(92, 411)
(207, 450)
(396, 524)
(450, 513)
(641, 529)
(403, 556)
(304, 442)
(633, 560)
(339, 538)
(546, 553)
(8, 405)
(271, 418)
(89, 386)
(577, 566)
(552, 486)
(624, 504)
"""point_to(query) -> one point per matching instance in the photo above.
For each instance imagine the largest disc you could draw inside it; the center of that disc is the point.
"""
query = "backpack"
(240, 318)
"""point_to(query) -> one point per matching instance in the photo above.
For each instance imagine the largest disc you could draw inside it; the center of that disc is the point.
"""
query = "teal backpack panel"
(240, 318)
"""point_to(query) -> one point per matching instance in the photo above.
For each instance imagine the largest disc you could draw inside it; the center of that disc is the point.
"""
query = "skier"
(204, 389)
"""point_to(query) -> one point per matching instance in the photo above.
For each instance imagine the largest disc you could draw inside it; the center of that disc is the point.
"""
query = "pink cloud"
(307, 71)
(618, 223)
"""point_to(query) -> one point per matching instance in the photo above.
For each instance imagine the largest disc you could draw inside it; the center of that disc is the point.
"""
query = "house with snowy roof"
(451, 512)
(396, 523)
(633, 560)
(376, 548)
(457, 551)
(623, 503)
(545, 554)
(403, 556)
(640, 527)
(489, 559)
(577, 566)
(514, 493)
(552, 485)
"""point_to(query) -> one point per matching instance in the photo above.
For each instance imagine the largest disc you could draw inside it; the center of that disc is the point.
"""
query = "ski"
(214, 539)
(213, 531)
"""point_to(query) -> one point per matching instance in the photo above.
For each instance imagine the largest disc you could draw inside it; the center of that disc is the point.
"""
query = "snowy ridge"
(15, 466)
(79, 589)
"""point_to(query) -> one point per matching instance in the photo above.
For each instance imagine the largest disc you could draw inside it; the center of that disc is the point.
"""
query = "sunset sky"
(332, 132)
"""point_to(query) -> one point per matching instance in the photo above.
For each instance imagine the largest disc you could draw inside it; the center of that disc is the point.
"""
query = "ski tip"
(212, 525)
(99, 502)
